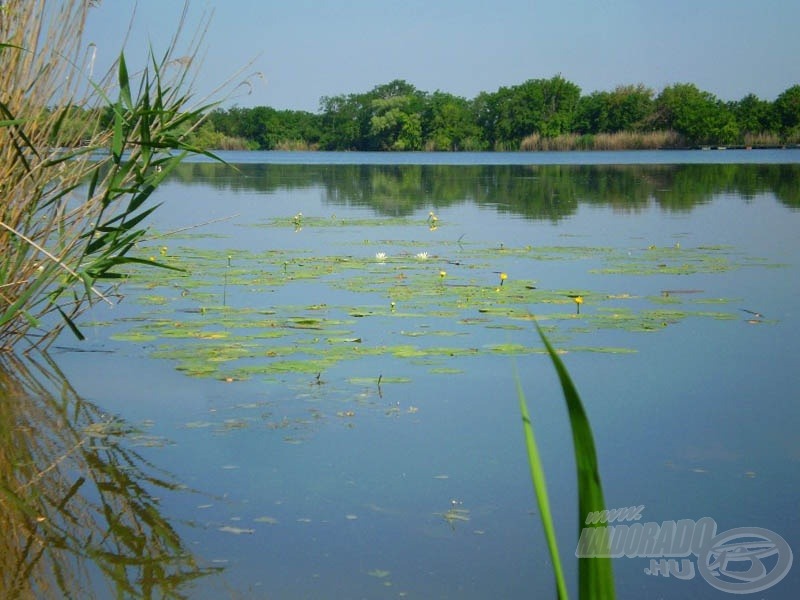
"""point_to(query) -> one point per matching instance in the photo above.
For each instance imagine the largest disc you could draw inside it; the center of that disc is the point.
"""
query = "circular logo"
(745, 560)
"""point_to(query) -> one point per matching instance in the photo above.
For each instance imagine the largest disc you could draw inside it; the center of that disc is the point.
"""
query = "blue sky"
(308, 49)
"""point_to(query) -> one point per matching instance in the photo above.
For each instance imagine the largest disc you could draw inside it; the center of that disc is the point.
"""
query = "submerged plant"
(77, 169)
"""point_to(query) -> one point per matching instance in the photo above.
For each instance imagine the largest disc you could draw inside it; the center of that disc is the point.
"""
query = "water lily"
(380, 256)
(503, 277)
(442, 274)
(578, 301)
(422, 256)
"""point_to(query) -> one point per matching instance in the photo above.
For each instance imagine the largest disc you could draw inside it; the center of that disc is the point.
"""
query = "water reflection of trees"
(549, 192)
(76, 500)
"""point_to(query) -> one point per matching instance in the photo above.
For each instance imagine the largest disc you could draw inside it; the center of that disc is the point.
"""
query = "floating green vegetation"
(134, 336)
(234, 314)
(454, 515)
(310, 222)
(674, 260)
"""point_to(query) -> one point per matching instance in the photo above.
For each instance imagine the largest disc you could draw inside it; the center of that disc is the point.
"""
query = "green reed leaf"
(540, 489)
(595, 575)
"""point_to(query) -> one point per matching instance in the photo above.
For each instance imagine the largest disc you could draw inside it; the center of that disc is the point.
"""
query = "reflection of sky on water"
(701, 421)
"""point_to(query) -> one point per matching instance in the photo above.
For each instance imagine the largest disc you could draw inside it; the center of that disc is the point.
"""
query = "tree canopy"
(398, 116)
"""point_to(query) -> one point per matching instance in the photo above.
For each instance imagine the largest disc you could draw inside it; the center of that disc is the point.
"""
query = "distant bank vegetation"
(539, 114)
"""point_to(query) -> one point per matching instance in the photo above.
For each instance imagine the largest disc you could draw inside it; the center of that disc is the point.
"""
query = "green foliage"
(787, 107)
(397, 116)
(545, 106)
(755, 115)
(542, 497)
(696, 115)
(625, 109)
(449, 124)
(395, 124)
(595, 575)
(264, 127)
(77, 169)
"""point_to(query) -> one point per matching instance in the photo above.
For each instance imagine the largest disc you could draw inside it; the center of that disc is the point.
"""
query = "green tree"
(591, 114)
(545, 106)
(395, 125)
(629, 107)
(695, 114)
(787, 107)
(755, 116)
(344, 122)
(448, 123)
(395, 121)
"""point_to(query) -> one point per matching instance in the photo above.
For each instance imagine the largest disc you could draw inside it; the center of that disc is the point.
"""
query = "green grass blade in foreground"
(540, 489)
(595, 575)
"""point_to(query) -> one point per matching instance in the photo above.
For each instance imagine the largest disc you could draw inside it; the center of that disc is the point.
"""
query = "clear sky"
(307, 49)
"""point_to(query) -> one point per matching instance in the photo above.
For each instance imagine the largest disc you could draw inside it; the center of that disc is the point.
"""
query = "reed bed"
(75, 191)
(296, 146)
(762, 140)
(622, 140)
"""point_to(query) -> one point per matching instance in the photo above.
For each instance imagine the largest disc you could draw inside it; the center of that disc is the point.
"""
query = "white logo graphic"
(739, 561)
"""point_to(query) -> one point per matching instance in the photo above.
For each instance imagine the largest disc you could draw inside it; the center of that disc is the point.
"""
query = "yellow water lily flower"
(503, 277)
(442, 274)
(578, 301)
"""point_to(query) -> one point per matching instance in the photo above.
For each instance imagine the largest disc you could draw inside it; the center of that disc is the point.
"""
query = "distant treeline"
(539, 114)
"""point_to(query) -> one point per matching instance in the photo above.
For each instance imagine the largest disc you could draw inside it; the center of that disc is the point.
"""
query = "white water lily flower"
(380, 256)
(422, 256)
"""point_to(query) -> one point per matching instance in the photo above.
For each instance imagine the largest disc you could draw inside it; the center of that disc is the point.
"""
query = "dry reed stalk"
(621, 140)
(76, 167)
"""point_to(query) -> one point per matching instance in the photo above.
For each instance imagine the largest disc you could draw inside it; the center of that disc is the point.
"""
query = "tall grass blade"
(595, 575)
(124, 83)
(78, 168)
(540, 489)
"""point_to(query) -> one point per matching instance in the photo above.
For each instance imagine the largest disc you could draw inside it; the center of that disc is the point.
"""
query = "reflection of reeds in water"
(76, 500)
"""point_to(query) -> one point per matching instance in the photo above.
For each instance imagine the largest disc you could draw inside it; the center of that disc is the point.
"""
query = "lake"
(322, 402)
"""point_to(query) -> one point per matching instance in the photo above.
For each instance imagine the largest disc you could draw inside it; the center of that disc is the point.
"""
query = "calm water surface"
(333, 483)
